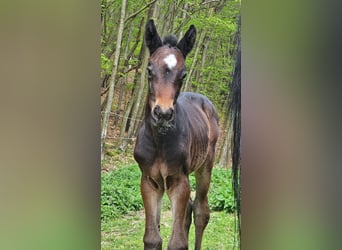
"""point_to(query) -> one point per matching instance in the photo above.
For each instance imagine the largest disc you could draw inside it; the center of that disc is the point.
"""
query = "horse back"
(203, 127)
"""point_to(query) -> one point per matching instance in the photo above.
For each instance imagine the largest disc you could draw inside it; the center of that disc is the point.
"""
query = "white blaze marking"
(170, 61)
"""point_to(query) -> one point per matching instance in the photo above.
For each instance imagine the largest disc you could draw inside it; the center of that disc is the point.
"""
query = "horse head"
(166, 71)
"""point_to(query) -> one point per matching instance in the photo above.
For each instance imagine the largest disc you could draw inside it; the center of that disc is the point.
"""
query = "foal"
(177, 136)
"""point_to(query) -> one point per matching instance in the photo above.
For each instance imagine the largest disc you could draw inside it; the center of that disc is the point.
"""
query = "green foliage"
(120, 191)
(106, 64)
(220, 193)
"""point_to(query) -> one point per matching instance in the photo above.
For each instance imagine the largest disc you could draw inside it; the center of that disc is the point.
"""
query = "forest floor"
(115, 156)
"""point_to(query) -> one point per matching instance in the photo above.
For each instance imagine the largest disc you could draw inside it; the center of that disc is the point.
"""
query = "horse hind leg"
(200, 205)
(188, 220)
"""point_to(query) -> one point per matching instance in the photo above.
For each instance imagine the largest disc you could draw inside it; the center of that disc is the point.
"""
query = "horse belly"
(203, 139)
(199, 155)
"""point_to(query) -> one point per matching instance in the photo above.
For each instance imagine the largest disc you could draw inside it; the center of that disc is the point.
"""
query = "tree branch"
(139, 11)
(137, 40)
(212, 1)
(132, 68)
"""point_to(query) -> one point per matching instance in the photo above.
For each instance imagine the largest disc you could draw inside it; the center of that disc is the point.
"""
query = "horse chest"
(172, 155)
(171, 151)
(165, 167)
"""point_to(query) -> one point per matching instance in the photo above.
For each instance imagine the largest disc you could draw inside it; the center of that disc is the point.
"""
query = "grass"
(127, 232)
(122, 214)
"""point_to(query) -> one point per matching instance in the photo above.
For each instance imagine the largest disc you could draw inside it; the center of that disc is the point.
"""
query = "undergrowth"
(120, 191)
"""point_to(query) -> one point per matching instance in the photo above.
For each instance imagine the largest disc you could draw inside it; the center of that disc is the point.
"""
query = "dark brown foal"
(177, 136)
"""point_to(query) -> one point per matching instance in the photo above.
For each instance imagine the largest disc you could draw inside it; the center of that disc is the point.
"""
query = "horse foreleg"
(152, 202)
(179, 194)
(201, 206)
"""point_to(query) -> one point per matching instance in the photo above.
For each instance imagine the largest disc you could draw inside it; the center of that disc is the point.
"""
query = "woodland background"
(124, 58)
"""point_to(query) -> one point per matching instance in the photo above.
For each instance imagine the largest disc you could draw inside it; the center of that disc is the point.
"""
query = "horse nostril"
(156, 111)
(169, 114)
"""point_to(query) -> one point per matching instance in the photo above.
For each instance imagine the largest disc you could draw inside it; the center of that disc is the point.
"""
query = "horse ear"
(187, 42)
(152, 38)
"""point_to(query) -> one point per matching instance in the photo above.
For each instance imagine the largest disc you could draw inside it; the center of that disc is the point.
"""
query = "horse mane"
(170, 40)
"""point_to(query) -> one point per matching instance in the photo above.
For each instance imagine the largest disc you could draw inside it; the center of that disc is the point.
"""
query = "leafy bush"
(106, 64)
(221, 192)
(120, 191)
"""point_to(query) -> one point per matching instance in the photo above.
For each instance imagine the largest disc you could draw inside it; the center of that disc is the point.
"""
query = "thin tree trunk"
(118, 105)
(172, 17)
(112, 80)
(168, 22)
(137, 40)
(139, 104)
(138, 118)
(224, 154)
(188, 78)
(130, 105)
(186, 6)
(204, 57)
(212, 62)
(125, 118)
(138, 91)
(199, 73)
(122, 79)
(103, 19)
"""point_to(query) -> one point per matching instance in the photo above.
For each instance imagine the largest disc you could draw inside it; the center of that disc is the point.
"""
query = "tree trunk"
(136, 101)
(126, 116)
(139, 102)
(122, 79)
(112, 80)
(223, 161)
(186, 6)
(103, 18)
(199, 73)
(187, 84)
(212, 61)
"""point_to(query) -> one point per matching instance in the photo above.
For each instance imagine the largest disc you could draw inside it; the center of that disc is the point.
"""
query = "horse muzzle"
(160, 114)
(163, 119)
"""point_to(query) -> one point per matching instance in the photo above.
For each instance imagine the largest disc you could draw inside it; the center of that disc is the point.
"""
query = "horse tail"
(235, 126)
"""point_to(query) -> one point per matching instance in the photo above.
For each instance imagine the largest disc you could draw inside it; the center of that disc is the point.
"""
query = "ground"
(127, 232)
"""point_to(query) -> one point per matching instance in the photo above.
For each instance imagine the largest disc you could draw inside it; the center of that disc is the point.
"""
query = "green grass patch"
(220, 195)
(122, 212)
(120, 191)
(126, 232)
